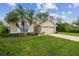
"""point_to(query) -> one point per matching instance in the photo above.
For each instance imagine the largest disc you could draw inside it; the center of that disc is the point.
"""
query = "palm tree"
(12, 17)
(25, 14)
(21, 12)
(20, 15)
(42, 17)
(30, 15)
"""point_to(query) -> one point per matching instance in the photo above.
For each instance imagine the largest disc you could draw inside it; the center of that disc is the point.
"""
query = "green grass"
(38, 46)
(71, 34)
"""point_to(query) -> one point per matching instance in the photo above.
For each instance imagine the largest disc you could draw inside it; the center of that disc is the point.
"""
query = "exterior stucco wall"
(48, 23)
(48, 30)
(48, 27)
(13, 28)
(31, 29)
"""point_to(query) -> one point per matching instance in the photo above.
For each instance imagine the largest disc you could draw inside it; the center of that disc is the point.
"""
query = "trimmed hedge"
(16, 34)
(64, 27)
(74, 30)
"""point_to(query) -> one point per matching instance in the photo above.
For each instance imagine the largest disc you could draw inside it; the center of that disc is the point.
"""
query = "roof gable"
(47, 23)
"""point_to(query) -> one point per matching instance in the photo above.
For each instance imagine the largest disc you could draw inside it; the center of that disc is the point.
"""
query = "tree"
(12, 17)
(67, 27)
(59, 20)
(20, 15)
(21, 12)
(42, 17)
(25, 15)
(3, 28)
(76, 22)
(64, 27)
(30, 14)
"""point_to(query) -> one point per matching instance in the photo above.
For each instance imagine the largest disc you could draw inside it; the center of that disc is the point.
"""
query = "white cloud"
(75, 5)
(70, 6)
(42, 11)
(50, 6)
(63, 16)
(63, 12)
(1, 18)
(12, 4)
(25, 8)
(46, 6)
(39, 5)
(58, 15)
(69, 12)
(54, 14)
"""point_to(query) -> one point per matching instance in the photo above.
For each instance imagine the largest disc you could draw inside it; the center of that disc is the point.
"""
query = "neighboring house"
(47, 27)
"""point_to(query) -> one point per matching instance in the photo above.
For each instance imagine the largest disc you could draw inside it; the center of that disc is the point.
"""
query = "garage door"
(47, 30)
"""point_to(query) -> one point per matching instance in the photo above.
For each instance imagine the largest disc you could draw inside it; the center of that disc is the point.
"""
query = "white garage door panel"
(47, 30)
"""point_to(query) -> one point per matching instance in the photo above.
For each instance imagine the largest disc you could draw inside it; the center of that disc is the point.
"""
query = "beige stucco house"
(47, 27)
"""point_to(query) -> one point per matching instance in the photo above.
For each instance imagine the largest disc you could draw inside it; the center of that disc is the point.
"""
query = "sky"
(68, 11)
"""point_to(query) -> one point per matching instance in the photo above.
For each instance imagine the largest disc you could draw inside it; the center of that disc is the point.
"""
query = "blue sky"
(68, 11)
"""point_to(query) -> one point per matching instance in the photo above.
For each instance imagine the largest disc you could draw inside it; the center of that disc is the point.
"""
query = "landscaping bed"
(17, 34)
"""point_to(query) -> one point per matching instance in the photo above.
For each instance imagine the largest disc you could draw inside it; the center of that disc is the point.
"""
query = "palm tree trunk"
(18, 26)
(23, 26)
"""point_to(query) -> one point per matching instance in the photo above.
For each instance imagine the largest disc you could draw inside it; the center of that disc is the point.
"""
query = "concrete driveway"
(74, 38)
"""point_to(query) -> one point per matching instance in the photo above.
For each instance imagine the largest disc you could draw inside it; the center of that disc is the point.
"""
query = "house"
(47, 27)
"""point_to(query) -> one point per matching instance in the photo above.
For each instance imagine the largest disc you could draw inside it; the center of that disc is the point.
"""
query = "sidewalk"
(65, 36)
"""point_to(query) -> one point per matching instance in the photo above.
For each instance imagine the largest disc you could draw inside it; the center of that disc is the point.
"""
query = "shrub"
(32, 34)
(74, 30)
(59, 28)
(64, 27)
(16, 34)
(3, 28)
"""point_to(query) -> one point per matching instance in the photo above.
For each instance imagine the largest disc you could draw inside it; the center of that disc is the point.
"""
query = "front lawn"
(72, 34)
(40, 45)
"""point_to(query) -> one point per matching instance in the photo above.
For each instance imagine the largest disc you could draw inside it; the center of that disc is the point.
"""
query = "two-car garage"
(48, 27)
